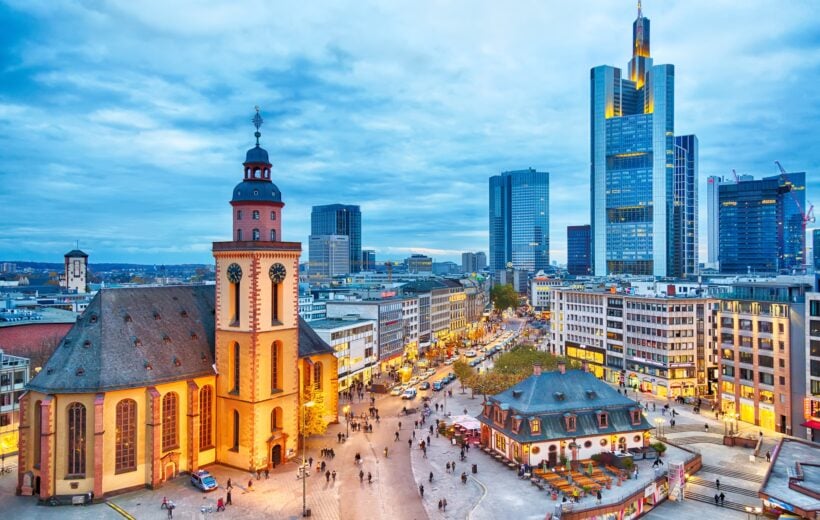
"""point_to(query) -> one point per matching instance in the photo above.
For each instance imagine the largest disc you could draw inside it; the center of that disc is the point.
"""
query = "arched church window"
(125, 442)
(170, 437)
(76, 440)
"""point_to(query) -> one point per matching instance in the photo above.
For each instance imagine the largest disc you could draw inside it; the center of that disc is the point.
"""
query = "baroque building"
(153, 382)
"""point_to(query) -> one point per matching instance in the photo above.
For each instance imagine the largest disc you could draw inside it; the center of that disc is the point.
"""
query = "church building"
(156, 381)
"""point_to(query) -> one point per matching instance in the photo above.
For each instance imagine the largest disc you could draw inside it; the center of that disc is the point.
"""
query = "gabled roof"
(556, 392)
(310, 344)
(134, 337)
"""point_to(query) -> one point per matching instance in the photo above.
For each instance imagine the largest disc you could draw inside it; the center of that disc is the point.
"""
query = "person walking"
(431, 477)
(440, 504)
(444, 504)
(250, 485)
(397, 437)
(369, 478)
(706, 427)
(717, 499)
(228, 501)
(410, 443)
(333, 475)
(327, 476)
(768, 456)
(448, 467)
(267, 473)
(722, 498)
(717, 484)
(361, 475)
(598, 496)
(228, 486)
(421, 490)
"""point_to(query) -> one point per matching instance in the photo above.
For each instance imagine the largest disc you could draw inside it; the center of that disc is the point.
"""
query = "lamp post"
(346, 411)
(659, 427)
(304, 457)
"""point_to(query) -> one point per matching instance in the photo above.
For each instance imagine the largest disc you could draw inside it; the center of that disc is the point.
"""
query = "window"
(169, 422)
(273, 215)
(535, 426)
(238, 235)
(603, 420)
(276, 419)
(239, 214)
(317, 376)
(125, 442)
(587, 444)
(275, 366)
(38, 428)
(236, 372)
(273, 235)
(275, 296)
(235, 444)
(255, 234)
(76, 440)
(206, 421)
(234, 289)
(570, 422)
(500, 442)
(255, 215)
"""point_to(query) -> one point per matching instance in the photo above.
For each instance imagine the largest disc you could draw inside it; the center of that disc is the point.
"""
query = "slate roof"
(143, 336)
(256, 191)
(134, 337)
(552, 395)
(76, 253)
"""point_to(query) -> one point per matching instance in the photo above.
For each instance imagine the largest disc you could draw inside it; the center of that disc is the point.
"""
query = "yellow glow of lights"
(729, 203)
(768, 201)
(631, 154)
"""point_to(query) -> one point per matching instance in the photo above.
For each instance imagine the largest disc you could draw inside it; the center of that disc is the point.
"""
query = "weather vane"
(257, 122)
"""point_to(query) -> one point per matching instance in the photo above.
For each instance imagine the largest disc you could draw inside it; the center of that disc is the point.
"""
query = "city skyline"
(407, 119)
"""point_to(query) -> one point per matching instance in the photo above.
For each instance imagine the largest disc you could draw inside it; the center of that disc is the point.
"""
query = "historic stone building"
(151, 382)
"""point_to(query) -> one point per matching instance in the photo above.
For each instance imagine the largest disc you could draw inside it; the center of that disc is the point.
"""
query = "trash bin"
(307, 512)
(475, 469)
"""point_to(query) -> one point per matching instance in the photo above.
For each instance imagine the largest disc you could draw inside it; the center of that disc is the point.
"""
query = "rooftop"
(795, 462)
(336, 323)
(41, 315)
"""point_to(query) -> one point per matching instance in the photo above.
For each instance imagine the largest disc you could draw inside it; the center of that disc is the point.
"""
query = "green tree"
(491, 383)
(315, 421)
(520, 360)
(503, 297)
(463, 372)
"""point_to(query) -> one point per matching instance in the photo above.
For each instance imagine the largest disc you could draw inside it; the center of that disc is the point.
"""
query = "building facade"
(579, 242)
(329, 257)
(368, 260)
(387, 313)
(761, 227)
(685, 208)
(354, 342)
(811, 401)
(658, 344)
(762, 338)
(473, 262)
(633, 157)
(76, 271)
(340, 219)
(519, 221)
(419, 264)
(712, 222)
(14, 375)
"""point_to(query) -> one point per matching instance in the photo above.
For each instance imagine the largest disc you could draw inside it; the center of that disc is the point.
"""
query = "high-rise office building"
(761, 228)
(519, 221)
(578, 250)
(419, 264)
(632, 173)
(685, 208)
(712, 228)
(473, 262)
(815, 244)
(329, 256)
(340, 219)
(368, 260)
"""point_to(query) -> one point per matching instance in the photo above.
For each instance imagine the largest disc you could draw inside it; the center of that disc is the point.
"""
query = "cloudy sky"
(124, 124)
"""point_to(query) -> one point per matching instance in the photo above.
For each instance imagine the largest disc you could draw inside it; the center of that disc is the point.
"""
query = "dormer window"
(516, 425)
(603, 419)
(636, 416)
(570, 422)
(535, 426)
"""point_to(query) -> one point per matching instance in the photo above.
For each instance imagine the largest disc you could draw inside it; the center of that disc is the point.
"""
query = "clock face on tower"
(277, 273)
(234, 273)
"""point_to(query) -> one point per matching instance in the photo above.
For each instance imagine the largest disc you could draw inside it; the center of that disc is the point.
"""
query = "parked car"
(397, 390)
(450, 361)
(451, 376)
(413, 380)
(470, 353)
(410, 393)
(437, 386)
(424, 385)
(203, 480)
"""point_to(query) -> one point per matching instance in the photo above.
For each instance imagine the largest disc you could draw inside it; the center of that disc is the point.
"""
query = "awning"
(814, 425)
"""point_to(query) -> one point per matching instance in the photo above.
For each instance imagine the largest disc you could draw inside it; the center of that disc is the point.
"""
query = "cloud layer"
(123, 124)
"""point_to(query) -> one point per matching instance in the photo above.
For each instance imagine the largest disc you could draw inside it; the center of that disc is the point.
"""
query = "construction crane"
(737, 179)
(805, 217)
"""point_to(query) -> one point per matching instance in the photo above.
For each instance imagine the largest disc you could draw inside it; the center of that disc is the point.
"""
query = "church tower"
(257, 325)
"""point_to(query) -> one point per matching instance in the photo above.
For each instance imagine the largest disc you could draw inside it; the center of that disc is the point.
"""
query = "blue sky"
(124, 124)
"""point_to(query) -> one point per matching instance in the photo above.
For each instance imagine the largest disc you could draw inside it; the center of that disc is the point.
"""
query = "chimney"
(536, 369)
(585, 366)
(562, 366)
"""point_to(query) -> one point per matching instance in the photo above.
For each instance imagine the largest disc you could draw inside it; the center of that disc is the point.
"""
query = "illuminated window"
(535, 426)
(500, 442)
(76, 440)
(317, 376)
(125, 442)
(236, 371)
(275, 365)
(235, 444)
(170, 439)
(206, 421)
(276, 419)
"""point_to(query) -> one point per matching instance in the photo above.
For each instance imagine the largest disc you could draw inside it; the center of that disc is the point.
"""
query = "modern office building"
(656, 343)
(473, 262)
(811, 404)
(419, 264)
(761, 339)
(633, 166)
(712, 228)
(368, 260)
(14, 374)
(685, 207)
(815, 243)
(329, 256)
(578, 250)
(340, 219)
(519, 221)
(387, 314)
(760, 225)
(353, 340)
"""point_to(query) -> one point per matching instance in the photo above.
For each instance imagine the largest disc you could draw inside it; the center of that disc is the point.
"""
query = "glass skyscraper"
(340, 219)
(519, 220)
(760, 225)
(634, 160)
(578, 250)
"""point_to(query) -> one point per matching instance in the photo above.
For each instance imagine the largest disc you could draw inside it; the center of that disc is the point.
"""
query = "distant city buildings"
(639, 171)
(519, 221)
(14, 375)
(760, 224)
(473, 262)
(340, 219)
(811, 406)
(816, 248)
(329, 257)
(579, 242)
(76, 271)
(368, 260)
(417, 263)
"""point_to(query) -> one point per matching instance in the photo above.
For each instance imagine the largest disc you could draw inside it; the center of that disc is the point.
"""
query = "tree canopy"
(315, 422)
(503, 297)
(510, 369)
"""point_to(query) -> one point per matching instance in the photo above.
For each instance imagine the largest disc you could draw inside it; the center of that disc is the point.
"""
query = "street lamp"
(658, 424)
(346, 411)
(305, 470)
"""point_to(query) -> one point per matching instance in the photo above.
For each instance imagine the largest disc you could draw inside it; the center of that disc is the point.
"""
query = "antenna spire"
(640, 14)
(257, 122)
